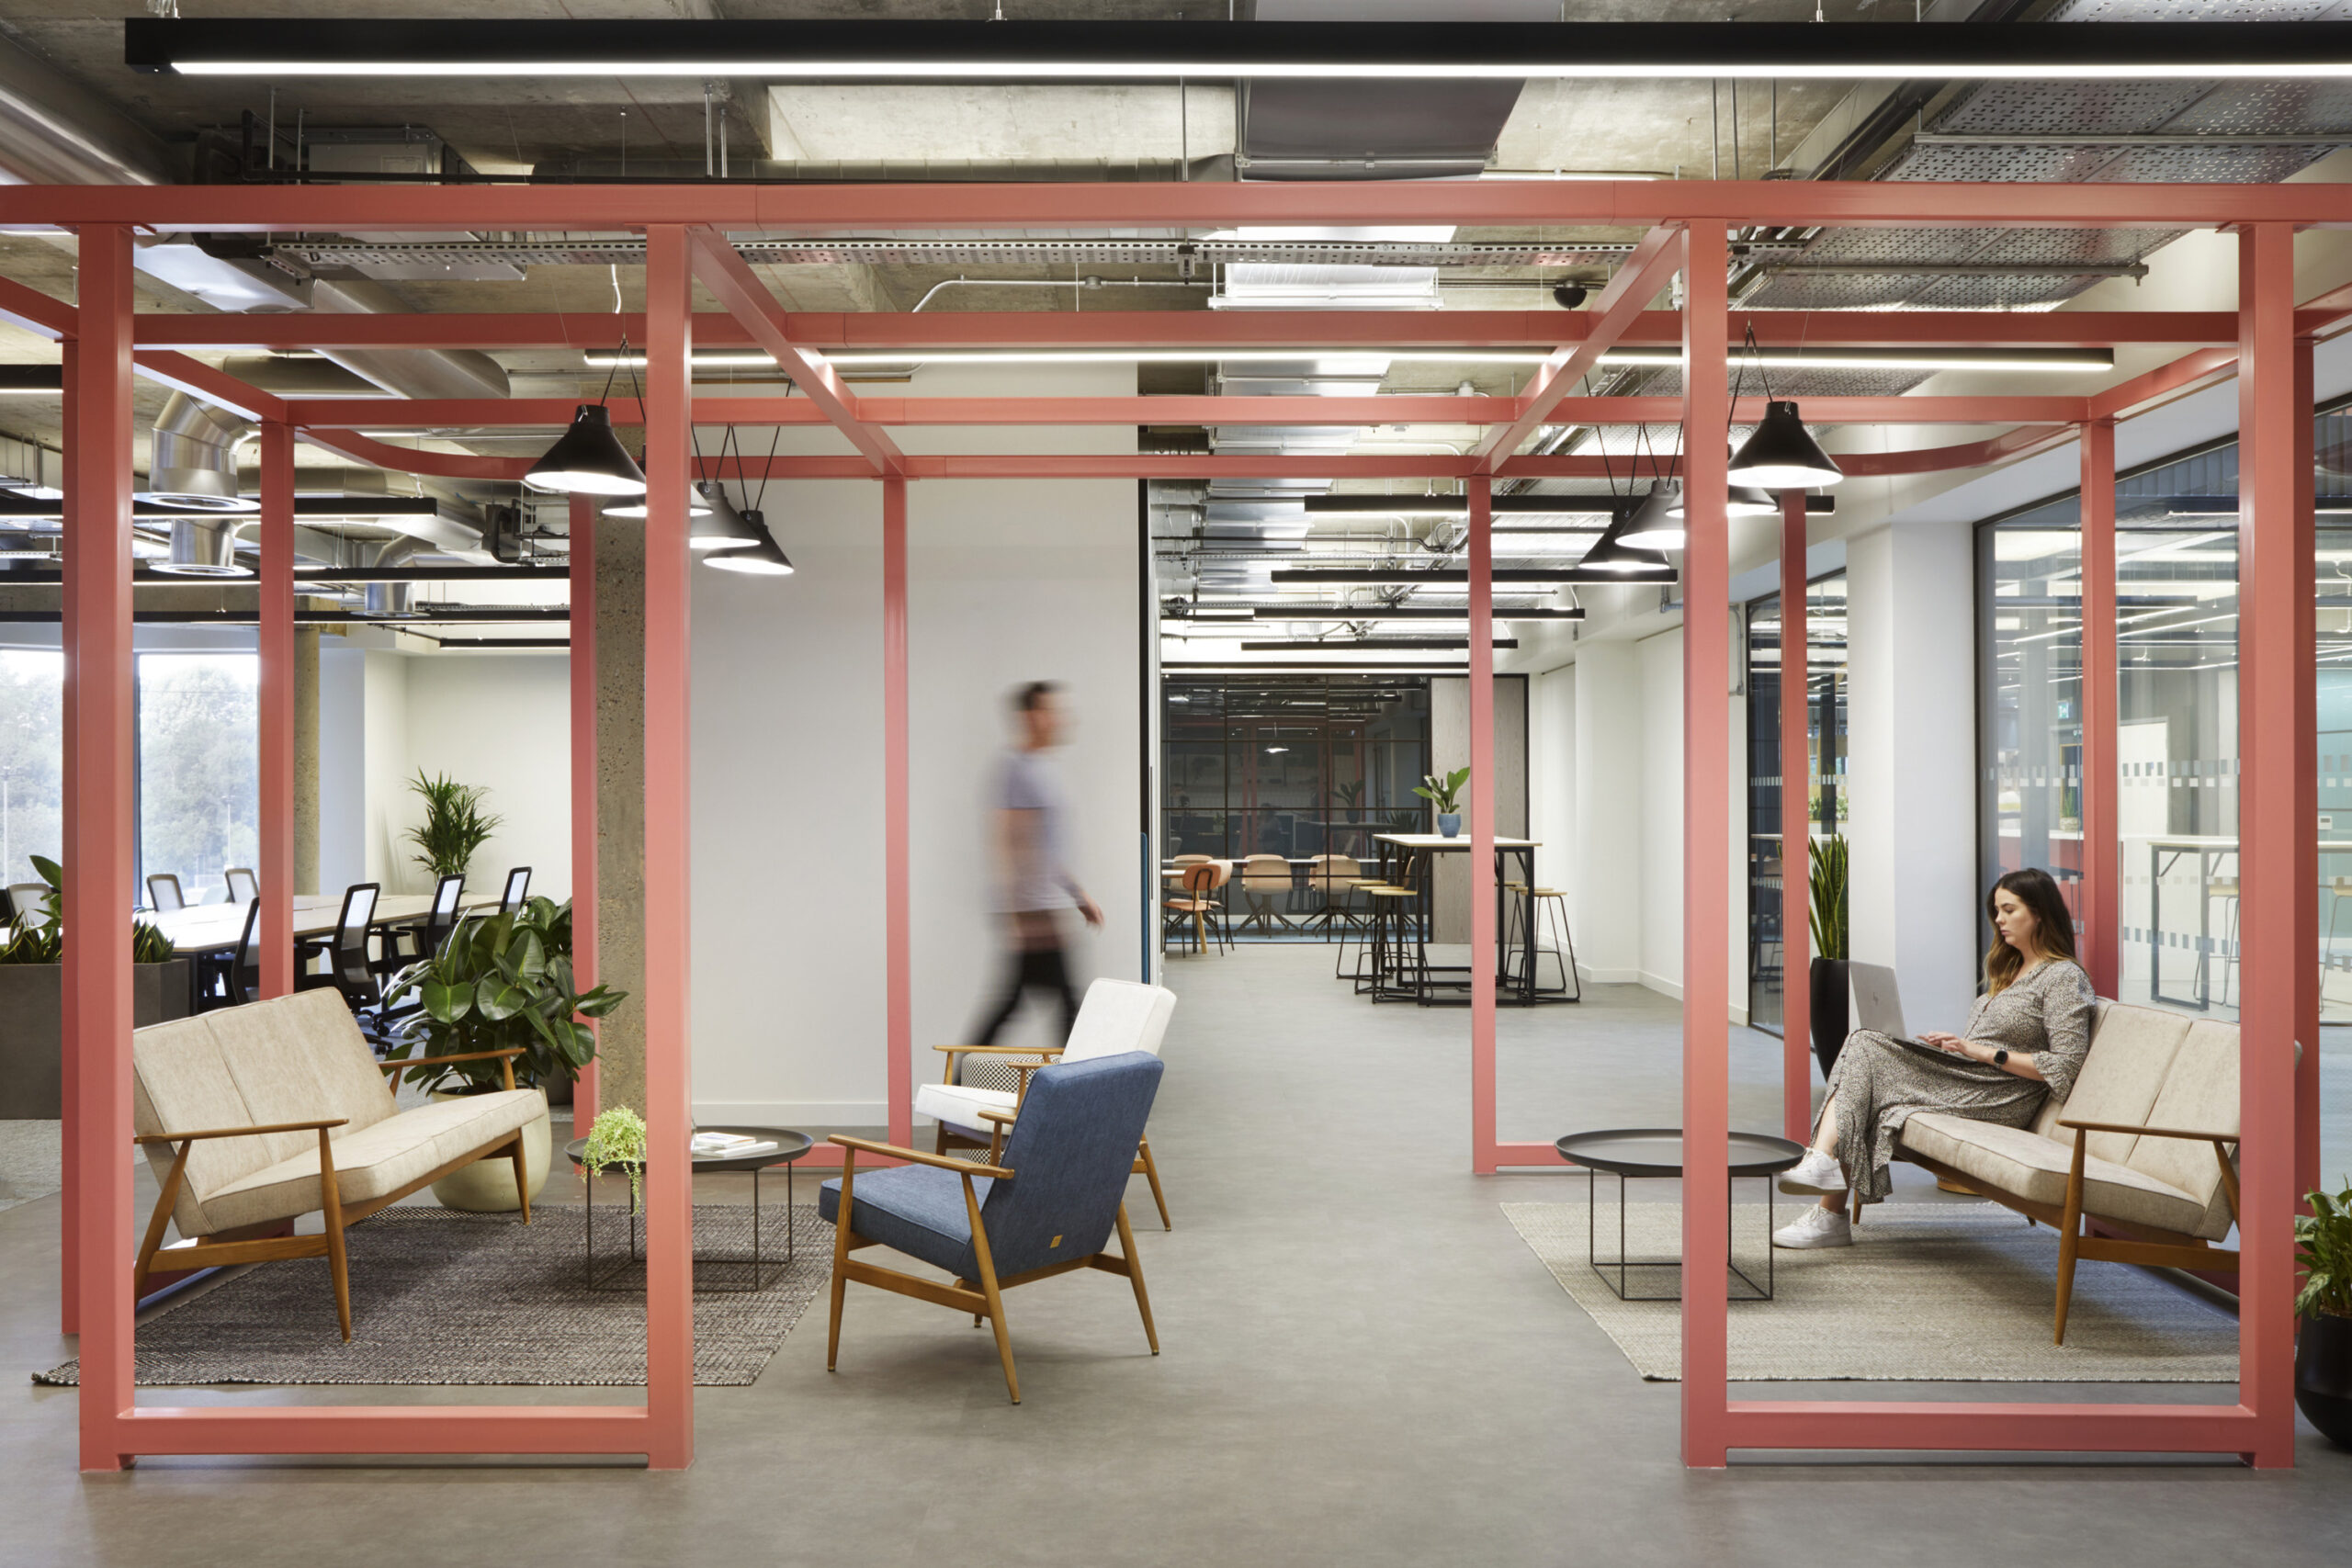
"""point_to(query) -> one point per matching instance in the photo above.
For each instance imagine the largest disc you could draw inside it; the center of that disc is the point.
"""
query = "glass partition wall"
(2177, 737)
(1290, 765)
(1771, 878)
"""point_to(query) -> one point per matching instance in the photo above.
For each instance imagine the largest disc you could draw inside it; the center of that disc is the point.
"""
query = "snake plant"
(1829, 896)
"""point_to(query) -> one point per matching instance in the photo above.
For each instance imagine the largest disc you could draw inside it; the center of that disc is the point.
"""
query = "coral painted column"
(1482, 825)
(2306, 872)
(899, 1029)
(69, 1212)
(1706, 850)
(275, 870)
(669, 697)
(1796, 831)
(582, 550)
(2274, 586)
(2101, 912)
(98, 836)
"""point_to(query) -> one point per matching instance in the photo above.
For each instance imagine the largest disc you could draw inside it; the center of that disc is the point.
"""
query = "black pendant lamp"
(588, 459)
(695, 506)
(1612, 553)
(765, 557)
(1739, 501)
(718, 526)
(1779, 453)
(1656, 524)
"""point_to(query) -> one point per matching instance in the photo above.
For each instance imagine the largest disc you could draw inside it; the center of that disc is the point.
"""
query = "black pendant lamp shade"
(695, 506)
(1611, 553)
(718, 526)
(1780, 454)
(765, 557)
(1656, 523)
(588, 459)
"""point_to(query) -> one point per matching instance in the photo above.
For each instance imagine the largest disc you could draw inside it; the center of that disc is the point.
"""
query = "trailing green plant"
(41, 940)
(455, 825)
(2324, 1250)
(1828, 877)
(501, 981)
(1440, 789)
(616, 1139)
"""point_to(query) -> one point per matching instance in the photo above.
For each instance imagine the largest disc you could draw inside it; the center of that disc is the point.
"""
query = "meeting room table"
(218, 928)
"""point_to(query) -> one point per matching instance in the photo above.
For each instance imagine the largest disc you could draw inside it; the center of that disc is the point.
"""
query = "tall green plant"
(1829, 896)
(455, 825)
(2324, 1248)
(501, 981)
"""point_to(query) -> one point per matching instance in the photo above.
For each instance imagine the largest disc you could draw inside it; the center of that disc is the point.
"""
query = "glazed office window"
(32, 748)
(199, 773)
(2178, 706)
(1776, 890)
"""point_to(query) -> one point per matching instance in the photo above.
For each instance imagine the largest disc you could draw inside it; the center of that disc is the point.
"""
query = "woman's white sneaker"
(1817, 1226)
(1817, 1176)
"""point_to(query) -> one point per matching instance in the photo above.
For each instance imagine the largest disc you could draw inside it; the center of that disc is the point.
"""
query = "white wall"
(501, 721)
(1911, 718)
(1660, 962)
(383, 765)
(1606, 892)
(343, 766)
(1552, 783)
(1008, 582)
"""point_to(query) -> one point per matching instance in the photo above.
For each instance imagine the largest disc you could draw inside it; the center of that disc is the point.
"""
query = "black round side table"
(784, 1147)
(1645, 1153)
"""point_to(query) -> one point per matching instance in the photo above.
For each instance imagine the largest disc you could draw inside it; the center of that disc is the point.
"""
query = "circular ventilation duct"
(203, 547)
(194, 460)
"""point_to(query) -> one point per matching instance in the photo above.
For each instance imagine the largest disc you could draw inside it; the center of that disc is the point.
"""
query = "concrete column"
(620, 783)
(306, 759)
(1606, 884)
(1449, 750)
(1911, 721)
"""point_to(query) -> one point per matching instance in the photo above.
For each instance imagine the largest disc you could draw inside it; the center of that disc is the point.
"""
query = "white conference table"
(218, 928)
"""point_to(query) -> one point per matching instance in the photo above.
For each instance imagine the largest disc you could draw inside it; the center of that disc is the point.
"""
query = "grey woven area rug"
(440, 1298)
(1929, 1292)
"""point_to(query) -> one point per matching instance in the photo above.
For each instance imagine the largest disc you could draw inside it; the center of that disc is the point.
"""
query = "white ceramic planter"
(487, 1186)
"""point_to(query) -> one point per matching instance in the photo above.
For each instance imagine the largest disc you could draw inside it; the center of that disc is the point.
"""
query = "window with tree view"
(198, 775)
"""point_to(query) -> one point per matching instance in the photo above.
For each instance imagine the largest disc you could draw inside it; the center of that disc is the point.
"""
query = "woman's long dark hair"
(2053, 926)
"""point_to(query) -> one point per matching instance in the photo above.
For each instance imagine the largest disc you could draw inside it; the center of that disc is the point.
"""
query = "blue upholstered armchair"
(1049, 1207)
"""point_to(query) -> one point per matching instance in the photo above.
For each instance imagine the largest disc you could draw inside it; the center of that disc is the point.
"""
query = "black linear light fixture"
(1111, 51)
(1372, 645)
(1403, 613)
(32, 381)
(1327, 577)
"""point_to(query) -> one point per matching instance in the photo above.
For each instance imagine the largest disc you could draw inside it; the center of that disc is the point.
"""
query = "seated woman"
(2025, 1041)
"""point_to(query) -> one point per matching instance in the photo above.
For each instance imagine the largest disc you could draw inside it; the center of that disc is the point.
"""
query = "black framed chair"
(163, 892)
(421, 941)
(347, 968)
(518, 888)
(243, 886)
(233, 978)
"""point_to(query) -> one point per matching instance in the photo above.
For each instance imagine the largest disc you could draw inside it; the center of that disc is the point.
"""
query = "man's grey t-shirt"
(1044, 881)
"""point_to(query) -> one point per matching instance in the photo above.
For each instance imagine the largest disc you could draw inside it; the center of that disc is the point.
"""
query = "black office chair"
(518, 888)
(163, 892)
(348, 968)
(423, 941)
(233, 978)
(243, 886)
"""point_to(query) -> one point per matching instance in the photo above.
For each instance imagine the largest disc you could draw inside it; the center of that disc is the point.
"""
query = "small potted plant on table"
(500, 981)
(1441, 790)
(2324, 1347)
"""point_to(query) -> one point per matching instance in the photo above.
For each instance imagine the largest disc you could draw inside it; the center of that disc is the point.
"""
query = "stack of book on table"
(729, 1145)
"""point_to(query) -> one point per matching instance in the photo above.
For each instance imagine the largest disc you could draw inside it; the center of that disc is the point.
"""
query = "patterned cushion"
(2020, 1161)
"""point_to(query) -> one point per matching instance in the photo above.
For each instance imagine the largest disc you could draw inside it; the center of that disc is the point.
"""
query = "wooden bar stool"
(1395, 919)
(1549, 905)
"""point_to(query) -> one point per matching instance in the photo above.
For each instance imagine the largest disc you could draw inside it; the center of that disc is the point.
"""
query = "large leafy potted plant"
(500, 982)
(1439, 790)
(455, 825)
(1831, 998)
(2324, 1348)
(32, 988)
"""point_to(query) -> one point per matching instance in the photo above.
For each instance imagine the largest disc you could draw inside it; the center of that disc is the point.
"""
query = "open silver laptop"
(1878, 1004)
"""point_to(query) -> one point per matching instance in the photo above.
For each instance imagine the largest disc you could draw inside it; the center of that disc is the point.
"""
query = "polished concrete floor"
(1364, 1365)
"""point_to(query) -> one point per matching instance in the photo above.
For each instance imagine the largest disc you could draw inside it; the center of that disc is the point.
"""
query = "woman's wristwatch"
(2000, 1058)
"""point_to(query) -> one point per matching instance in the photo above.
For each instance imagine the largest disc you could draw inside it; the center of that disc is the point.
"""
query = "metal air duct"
(194, 459)
(392, 598)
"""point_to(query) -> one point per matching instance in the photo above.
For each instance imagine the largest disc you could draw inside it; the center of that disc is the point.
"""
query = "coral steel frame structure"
(2264, 343)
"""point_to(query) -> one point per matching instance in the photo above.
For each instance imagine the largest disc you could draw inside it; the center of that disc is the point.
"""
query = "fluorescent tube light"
(2057, 360)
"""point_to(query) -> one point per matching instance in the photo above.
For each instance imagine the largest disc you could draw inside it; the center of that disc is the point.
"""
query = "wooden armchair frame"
(2148, 1246)
(1144, 1167)
(983, 1297)
(246, 1245)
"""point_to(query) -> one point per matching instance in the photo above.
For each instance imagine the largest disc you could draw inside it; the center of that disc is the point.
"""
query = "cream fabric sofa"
(2145, 1147)
(255, 1115)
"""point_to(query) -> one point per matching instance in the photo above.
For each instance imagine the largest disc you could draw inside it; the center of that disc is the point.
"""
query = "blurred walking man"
(1032, 834)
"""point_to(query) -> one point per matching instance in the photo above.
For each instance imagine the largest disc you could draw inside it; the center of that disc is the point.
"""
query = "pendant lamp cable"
(775, 441)
(1748, 351)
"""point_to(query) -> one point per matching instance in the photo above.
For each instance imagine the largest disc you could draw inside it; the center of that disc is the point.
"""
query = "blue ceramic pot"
(1449, 823)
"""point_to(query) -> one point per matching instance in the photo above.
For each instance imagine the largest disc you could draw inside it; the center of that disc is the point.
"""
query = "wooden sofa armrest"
(2149, 1132)
(1000, 1050)
(240, 1132)
(506, 1069)
(916, 1156)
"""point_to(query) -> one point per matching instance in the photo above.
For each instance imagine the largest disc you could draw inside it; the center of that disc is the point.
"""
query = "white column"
(1911, 719)
(1609, 872)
